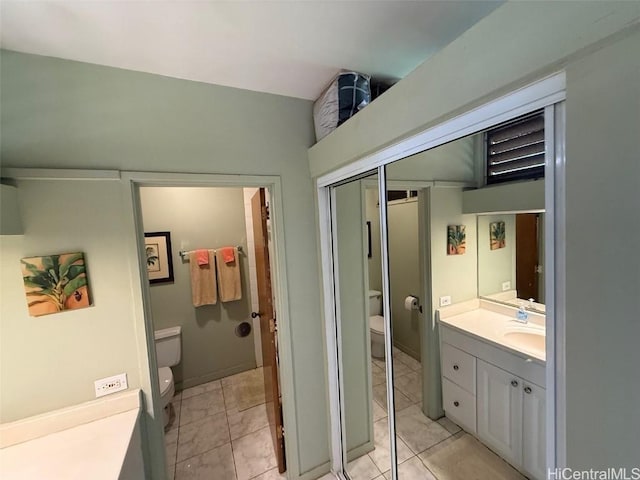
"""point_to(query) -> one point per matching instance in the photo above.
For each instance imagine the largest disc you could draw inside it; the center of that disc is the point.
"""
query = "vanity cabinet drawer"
(459, 405)
(459, 367)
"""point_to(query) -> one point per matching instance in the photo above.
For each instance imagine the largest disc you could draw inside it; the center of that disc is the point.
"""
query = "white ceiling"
(290, 48)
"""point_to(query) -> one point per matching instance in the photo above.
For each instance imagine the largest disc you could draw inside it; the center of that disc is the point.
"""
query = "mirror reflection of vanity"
(511, 258)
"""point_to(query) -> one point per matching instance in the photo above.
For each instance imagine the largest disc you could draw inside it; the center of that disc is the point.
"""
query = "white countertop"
(93, 450)
(497, 325)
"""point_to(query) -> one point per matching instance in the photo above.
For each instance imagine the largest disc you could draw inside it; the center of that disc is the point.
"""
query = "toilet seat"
(165, 379)
(376, 324)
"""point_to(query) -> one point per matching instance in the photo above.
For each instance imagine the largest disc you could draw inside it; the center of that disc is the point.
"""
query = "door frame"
(132, 181)
(548, 93)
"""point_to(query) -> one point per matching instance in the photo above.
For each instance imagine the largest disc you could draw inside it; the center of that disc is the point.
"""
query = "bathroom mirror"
(511, 258)
(364, 421)
(420, 266)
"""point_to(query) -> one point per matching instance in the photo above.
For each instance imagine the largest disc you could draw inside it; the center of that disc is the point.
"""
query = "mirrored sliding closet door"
(360, 326)
(428, 252)
(424, 198)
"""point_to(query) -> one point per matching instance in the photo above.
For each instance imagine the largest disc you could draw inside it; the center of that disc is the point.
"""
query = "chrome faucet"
(521, 315)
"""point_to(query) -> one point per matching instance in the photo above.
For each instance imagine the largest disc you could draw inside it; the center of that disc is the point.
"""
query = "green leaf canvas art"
(55, 283)
(497, 235)
(456, 240)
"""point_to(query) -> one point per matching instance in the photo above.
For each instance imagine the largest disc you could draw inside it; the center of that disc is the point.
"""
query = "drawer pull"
(456, 367)
(514, 383)
(527, 389)
(456, 403)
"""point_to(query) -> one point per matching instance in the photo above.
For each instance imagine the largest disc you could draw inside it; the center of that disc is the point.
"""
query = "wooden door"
(499, 411)
(534, 441)
(268, 326)
(527, 255)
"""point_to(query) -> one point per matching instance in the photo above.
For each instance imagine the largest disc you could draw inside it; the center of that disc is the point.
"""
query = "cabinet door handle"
(456, 367)
(514, 383)
(527, 389)
(456, 404)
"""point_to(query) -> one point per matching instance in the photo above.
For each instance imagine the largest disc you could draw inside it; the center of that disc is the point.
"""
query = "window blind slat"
(524, 141)
(535, 124)
(517, 154)
(516, 150)
(525, 164)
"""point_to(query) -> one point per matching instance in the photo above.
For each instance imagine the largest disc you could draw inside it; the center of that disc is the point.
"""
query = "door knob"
(456, 367)
(514, 383)
(456, 404)
(255, 314)
(527, 389)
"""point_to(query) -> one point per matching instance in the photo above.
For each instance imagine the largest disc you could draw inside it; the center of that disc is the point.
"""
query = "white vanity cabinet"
(500, 411)
(533, 431)
(511, 418)
(459, 386)
(500, 401)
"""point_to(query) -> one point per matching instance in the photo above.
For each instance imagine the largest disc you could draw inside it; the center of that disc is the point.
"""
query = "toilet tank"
(375, 303)
(168, 346)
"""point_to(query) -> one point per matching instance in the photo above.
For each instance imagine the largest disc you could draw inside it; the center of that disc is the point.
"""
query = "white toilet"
(376, 324)
(168, 352)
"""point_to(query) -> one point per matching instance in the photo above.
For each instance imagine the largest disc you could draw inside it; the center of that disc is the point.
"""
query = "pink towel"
(228, 254)
(202, 257)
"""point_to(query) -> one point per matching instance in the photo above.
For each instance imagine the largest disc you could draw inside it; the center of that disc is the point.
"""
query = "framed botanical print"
(159, 257)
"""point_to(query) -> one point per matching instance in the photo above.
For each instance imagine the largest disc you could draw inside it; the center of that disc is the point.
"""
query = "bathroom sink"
(527, 339)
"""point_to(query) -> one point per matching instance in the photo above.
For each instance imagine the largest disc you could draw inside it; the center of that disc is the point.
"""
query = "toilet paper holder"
(412, 302)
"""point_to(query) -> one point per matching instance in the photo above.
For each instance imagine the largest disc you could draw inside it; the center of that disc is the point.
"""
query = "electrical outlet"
(506, 286)
(446, 300)
(108, 385)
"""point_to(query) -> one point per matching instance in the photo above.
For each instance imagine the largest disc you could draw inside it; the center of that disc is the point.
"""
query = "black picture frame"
(159, 257)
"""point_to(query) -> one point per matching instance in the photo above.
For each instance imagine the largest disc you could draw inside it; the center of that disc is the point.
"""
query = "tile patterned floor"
(427, 449)
(215, 435)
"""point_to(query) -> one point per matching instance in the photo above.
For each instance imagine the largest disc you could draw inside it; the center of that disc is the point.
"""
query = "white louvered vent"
(515, 151)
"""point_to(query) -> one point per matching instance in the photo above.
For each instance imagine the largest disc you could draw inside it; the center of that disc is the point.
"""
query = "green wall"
(404, 274)
(63, 114)
(496, 266)
(51, 361)
(200, 218)
(452, 161)
(454, 275)
(602, 261)
(505, 198)
(10, 220)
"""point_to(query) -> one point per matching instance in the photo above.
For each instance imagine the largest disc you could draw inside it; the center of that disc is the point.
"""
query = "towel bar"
(185, 254)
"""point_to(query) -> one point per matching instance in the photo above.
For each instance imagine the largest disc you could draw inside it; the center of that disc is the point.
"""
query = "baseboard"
(193, 382)
(312, 474)
(407, 350)
(361, 450)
